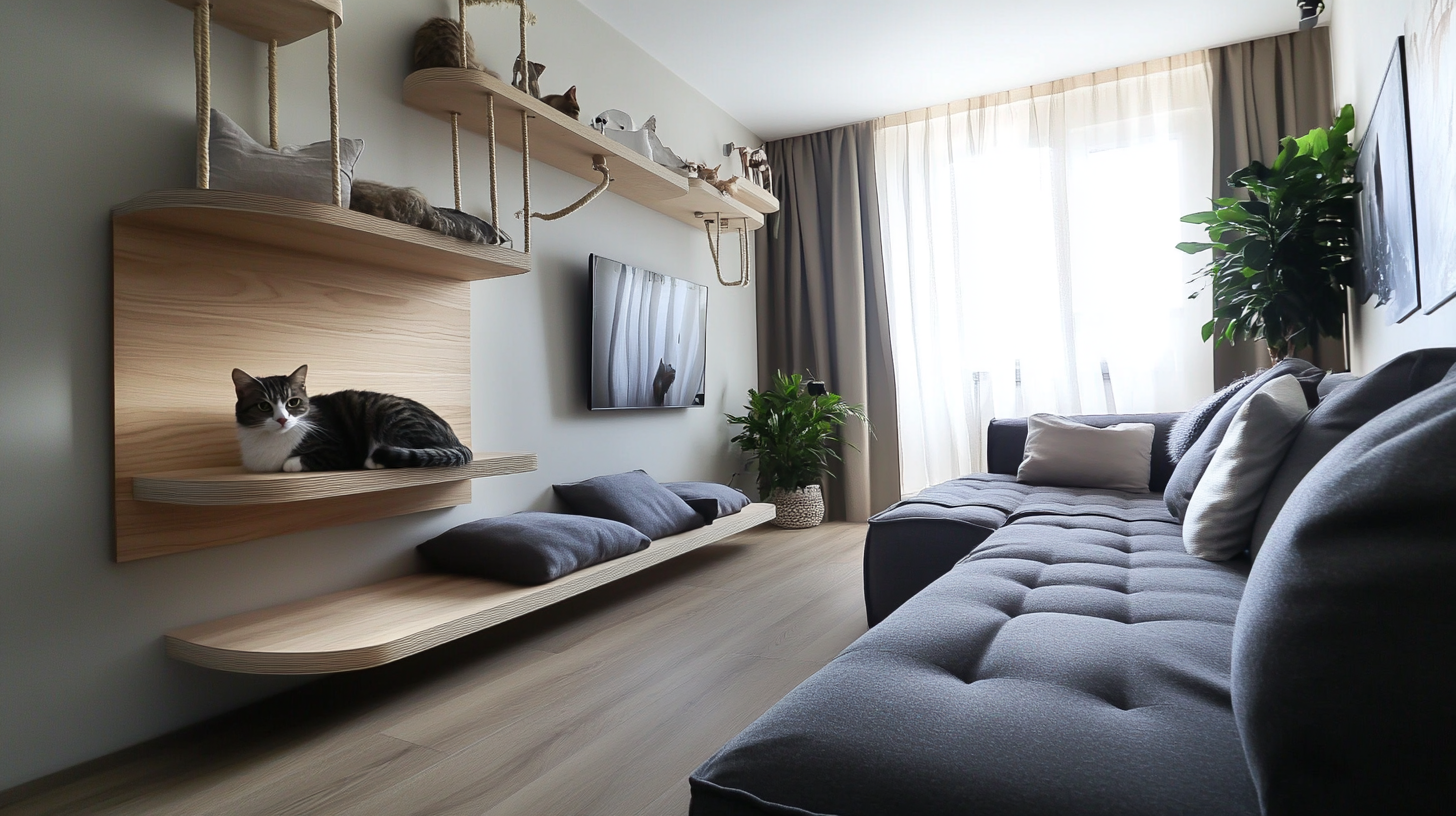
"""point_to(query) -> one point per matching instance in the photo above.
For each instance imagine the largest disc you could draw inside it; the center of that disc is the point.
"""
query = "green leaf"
(1195, 247)
(1208, 330)
(1200, 218)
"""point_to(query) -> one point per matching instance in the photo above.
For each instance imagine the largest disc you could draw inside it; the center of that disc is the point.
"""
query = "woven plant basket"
(798, 509)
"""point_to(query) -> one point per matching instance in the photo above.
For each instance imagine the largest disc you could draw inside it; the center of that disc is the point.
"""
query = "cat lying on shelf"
(407, 205)
(437, 45)
(282, 428)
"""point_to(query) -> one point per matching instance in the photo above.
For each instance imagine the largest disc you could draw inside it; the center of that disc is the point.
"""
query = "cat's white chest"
(265, 450)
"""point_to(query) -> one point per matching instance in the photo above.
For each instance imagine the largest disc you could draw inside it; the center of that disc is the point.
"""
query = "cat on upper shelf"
(282, 428)
(565, 102)
(437, 45)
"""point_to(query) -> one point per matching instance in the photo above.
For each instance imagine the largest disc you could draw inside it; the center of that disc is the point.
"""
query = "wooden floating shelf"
(321, 230)
(226, 486)
(704, 202)
(556, 139)
(374, 625)
(286, 21)
(757, 198)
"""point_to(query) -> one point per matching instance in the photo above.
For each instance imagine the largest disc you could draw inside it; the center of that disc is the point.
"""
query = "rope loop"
(599, 164)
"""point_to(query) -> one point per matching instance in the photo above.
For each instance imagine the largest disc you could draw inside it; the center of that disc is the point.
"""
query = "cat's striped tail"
(392, 457)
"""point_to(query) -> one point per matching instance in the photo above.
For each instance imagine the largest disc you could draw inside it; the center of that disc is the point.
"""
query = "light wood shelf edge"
(230, 486)
(755, 197)
(703, 198)
(286, 21)
(321, 230)
(368, 627)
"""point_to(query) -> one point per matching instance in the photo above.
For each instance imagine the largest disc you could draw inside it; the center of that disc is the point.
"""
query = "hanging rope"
(599, 164)
(490, 135)
(464, 59)
(714, 246)
(525, 135)
(334, 107)
(455, 152)
(202, 57)
(273, 94)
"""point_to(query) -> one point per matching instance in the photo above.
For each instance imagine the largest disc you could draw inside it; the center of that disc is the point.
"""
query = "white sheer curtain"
(1030, 263)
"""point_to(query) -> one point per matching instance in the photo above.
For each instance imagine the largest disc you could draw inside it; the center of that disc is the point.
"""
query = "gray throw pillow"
(1191, 424)
(530, 548)
(302, 172)
(634, 499)
(1066, 453)
(1220, 519)
(1345, 641)
(1195, 460)
(710, 499)
(1348, 407)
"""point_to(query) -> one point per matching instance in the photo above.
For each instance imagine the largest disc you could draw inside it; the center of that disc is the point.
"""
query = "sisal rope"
(334, 107)
(202, 57)
(490, 135)
(464, 60)
(525, 136)
(599, 164)
(273, 94)
(455, 151)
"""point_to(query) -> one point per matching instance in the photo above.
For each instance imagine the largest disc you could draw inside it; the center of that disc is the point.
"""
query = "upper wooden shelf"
(757, 198)
(286, 21)
(374, 625)
(235, 486)
(321, 229)
(704, 202)
(556, 139)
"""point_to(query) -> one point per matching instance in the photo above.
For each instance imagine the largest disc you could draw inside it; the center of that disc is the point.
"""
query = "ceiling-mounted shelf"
(286, 21)
(224, 486)
(321, 230)
(556, 139)
(704, 202)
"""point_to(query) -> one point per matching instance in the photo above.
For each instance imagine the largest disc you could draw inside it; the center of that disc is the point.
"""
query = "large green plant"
(790, 433)
(1284, 257)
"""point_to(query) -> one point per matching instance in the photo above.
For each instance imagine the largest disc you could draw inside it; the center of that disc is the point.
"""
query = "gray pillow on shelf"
(1195, 460)
(530, 548)
(634, 499)
(301, 172)
(710, 499)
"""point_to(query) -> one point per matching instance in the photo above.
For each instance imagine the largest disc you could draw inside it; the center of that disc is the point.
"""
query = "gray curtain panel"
(1264, 90)
(821, 302)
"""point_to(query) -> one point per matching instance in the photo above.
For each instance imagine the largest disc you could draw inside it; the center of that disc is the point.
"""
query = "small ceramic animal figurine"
(710, 175)
(565, 102)
(531, 85)
(758, 170)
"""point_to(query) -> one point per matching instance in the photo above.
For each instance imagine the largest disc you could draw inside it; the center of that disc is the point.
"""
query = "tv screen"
(649, 338)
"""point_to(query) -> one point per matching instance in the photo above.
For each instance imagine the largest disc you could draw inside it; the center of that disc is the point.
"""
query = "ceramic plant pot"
(798, 509)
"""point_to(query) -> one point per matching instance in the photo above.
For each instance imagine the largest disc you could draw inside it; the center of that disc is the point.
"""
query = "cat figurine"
(666, 374)
(281, 428)
(533, 87)
(565, 102)
(710, 175)
(437, 45)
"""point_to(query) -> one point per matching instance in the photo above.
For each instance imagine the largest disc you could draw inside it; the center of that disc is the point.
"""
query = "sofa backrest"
(1006, 442)
(1345, 641)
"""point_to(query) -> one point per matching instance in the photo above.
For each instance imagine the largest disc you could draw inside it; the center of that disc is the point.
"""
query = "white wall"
(97, 108)
(1363, 34)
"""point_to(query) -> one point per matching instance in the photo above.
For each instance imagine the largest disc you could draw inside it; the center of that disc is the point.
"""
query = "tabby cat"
(437, 45)
(281, 428)
(565, 102)
(409, 206)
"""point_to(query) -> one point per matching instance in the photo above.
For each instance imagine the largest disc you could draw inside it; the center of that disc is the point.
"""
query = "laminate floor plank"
(602, 704)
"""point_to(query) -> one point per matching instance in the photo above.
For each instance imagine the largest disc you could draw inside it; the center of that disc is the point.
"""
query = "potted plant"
(789, 433)
(1284, 257)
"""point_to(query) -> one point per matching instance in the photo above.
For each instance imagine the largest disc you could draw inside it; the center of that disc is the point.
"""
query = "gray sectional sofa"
(1041, 650)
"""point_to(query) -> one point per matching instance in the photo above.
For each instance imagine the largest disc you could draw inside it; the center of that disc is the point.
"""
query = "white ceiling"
(786, 67)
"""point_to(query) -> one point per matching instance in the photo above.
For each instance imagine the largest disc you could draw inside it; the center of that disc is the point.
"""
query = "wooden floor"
(600, 705)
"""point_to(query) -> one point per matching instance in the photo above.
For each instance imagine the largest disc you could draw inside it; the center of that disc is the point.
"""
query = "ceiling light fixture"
(1309, 12)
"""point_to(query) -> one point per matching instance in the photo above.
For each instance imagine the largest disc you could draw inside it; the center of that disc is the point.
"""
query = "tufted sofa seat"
(1071, 658)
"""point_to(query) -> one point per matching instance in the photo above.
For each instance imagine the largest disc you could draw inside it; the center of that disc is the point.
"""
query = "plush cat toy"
(710, 175)
(565, 102)
(282, 428)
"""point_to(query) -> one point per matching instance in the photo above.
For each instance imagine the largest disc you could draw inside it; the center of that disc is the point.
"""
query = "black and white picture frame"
(1432, 92)
(1389, 267)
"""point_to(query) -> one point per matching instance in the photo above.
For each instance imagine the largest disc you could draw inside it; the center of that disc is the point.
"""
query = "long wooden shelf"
(374, 625)
(286, 21)
(556, 138)
(228, 486)
(757, 198)
(704, 202)
(320, 230)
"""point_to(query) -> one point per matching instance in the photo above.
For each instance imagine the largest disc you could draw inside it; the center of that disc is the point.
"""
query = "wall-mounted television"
(649, 338)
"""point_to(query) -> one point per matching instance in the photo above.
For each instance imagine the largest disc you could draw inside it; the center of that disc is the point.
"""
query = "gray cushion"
(710, 499)
(1328, 385)
(1192, 423)
(634, 499)
(1006, 442)
(303, 172)
(1070, 666)
(1062, 451)
(530, 548)
(1354, 403)
(1345, 646)
(1195, 460)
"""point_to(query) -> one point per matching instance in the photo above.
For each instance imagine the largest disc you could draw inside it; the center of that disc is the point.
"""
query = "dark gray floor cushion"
(634, 499)
(1345, 647)
(710, 499)
(530, 548)
(1342, 413)
(1069, 666)
(1195, 460)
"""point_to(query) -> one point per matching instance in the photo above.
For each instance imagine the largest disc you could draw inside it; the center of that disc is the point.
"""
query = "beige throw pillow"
(1062, 452)
(304, 172)
(1219, 523)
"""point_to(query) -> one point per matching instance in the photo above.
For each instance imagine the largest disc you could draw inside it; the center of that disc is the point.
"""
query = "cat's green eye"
(263, 406)
(295, 402)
